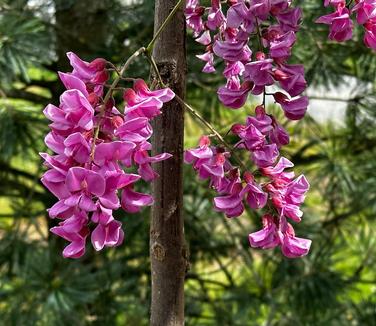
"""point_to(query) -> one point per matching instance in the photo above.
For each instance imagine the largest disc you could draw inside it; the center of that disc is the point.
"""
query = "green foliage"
(24, 41)
(228, 283)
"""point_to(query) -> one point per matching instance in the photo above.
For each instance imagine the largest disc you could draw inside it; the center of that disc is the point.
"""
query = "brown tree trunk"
(167, 248)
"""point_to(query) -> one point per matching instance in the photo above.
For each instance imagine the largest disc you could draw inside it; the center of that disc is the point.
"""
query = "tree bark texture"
(167, 247)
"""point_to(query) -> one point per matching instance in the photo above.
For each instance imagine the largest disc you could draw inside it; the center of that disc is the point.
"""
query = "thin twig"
(149, 48)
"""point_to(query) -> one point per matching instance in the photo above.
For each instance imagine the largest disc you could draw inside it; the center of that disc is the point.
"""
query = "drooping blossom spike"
(231, 32)
(93, 143)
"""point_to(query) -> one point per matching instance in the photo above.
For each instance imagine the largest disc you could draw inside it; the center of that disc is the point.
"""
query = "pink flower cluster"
(341, 25)
(226, 33)
(93, 144)
(227, 36)
(279, 192)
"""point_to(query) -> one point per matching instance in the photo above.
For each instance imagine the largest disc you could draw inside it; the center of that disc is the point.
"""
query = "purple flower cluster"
(341, 25)
(93, 144)
(226, 33)
(227, 36)
(280, 193)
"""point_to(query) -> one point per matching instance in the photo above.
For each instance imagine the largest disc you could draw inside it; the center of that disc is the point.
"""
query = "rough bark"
(167, 248)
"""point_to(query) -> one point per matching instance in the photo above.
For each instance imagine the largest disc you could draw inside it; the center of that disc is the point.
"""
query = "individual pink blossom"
(292, 246)
(365, 10)
(215, 15)
(260, 9)
(265, 156)
(75, 231)
(231, 204)
(291, 78)
(280, 48)
(294, 109)
(255, 196)
(233, 69)
(193, 13)
(289, 20)
(370, 34)
(208, 57)
(77, 147)
(204, 38)
(341, 25)
(233, 94)
(266, 238)
(259, 72)
(279, 233)
(232, 51)
(202, 152)
(278, 171)
(110, 235)
(135, 130)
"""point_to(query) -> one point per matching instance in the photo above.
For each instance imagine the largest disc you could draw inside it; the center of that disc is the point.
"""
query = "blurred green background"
(228, 283)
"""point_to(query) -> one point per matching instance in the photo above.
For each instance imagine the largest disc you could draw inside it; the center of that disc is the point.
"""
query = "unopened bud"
(280, 97)
(117, 121)
(248, 177)
(279, 75)
(93, 99)
(260, 56)
(98, 64)
(204, 141)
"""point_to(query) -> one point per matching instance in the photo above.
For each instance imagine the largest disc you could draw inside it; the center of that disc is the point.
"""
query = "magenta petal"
(146, 172)
(114, 235)
(127, 179)
(72, 82)
(114, 151)
(55, 142)
(226, 202)
(132, 201)
(74, 250)
(110, 200)
(60, 210)
(86, 204)
(264, 239)
(267, 237)
(294, 247)
(95, 183)
(73, 200)
(98, 237)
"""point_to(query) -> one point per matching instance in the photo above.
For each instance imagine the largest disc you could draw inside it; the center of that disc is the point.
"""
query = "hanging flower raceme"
(341, 23)
(94, 144)
(226, 30)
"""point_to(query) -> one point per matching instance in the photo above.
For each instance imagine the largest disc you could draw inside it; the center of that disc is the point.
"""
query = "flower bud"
(93, 99)
(117, 121)
(280, 97)
(204, 141)
(279, 75)
(260, 56)
(98, 64)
